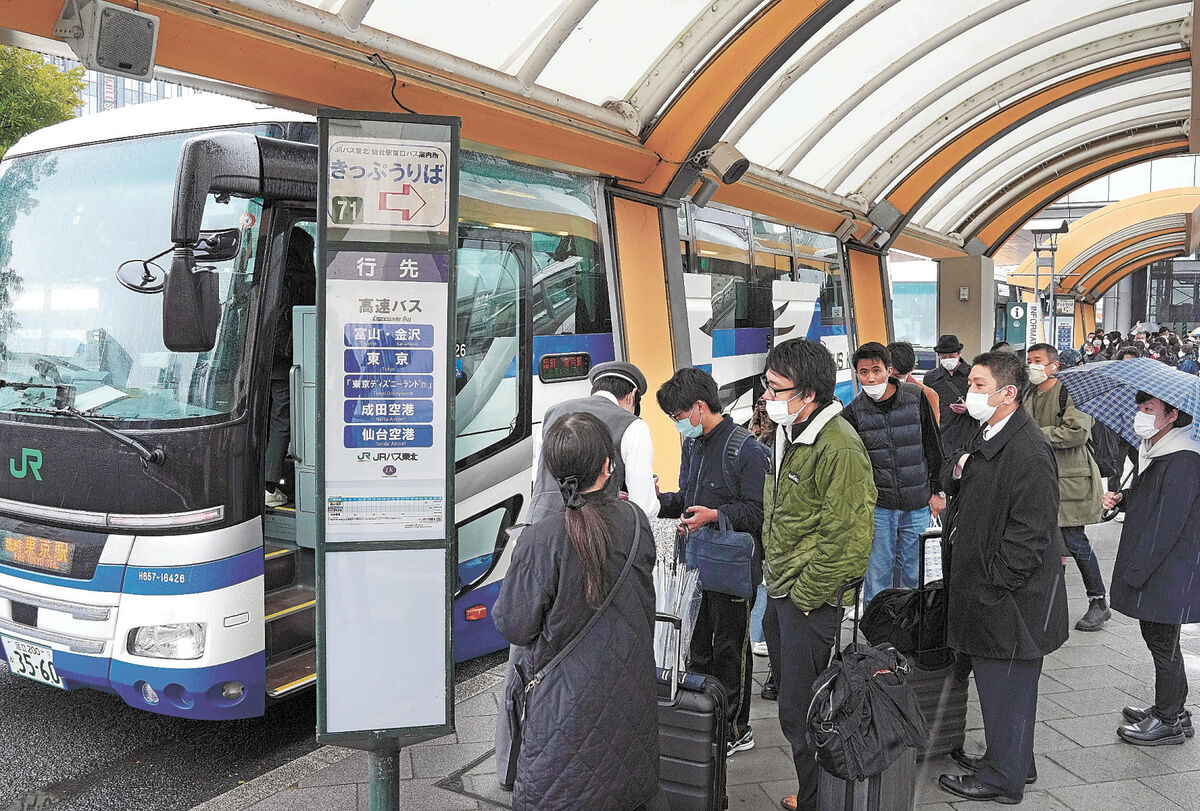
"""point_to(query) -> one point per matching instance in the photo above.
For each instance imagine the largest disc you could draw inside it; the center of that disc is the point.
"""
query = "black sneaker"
(746, 741)
(1135, 715)
(770, 691)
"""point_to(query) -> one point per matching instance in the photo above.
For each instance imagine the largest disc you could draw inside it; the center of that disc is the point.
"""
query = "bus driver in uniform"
(617, 389)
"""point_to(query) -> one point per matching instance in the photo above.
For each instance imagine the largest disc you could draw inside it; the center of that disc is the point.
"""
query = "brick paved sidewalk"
(1082, 765)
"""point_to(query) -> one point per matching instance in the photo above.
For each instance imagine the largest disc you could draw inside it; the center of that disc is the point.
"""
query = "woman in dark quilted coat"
(590, 736)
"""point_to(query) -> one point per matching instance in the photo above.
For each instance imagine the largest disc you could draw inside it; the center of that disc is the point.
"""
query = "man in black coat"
(949, 380)
(1008, 604)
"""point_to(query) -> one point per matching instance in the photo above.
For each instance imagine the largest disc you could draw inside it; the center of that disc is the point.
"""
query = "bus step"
(293, 674)
(288, 601)
(290, 622)
(279, 524)
(280, 566)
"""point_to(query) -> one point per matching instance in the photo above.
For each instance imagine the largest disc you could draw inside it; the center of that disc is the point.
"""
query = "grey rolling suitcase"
(894, 789)
(693, 727)
(943, 700)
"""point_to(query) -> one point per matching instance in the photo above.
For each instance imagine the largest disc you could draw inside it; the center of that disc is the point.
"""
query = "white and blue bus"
(136, 554)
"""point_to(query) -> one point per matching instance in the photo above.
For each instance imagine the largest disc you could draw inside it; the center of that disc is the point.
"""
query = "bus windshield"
(68, 219)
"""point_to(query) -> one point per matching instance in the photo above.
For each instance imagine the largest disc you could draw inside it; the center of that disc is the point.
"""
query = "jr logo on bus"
(31, 462)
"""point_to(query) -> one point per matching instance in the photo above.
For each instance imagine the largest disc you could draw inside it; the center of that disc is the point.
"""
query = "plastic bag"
(677, 592)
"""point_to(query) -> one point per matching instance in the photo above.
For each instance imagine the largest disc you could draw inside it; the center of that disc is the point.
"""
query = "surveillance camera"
(727, 163)
(708, 187)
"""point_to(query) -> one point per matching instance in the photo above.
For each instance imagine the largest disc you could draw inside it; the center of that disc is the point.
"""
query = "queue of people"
(831, 493)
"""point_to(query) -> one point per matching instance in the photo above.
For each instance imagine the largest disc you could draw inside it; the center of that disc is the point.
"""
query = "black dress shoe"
(1152, 732)
(1134, 714)
(770, 691)
(968, 786)
(975, 762)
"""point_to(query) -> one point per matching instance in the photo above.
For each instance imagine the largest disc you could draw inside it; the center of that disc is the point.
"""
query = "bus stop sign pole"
(386, 548)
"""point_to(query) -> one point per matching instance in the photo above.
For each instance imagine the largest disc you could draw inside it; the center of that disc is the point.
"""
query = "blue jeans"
(895, 541)
(756, 616)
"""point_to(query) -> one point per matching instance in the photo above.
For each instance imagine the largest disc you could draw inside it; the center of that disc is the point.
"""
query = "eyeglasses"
(683, 415)
(771, 390)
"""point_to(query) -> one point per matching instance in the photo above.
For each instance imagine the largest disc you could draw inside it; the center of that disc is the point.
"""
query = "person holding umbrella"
(1154, 578)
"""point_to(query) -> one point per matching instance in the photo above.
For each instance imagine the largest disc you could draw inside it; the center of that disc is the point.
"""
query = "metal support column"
(383, 778)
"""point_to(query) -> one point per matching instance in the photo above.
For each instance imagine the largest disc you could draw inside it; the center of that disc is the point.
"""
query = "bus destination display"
(565, 366)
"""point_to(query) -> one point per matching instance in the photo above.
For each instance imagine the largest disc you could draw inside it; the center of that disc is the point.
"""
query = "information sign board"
(388, 203)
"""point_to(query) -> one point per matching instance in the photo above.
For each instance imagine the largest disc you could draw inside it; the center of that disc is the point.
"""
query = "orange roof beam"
(898, 206)
(993, 234)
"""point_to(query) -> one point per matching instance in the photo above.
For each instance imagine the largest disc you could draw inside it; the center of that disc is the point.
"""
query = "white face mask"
(876, 391)
(949, 364)
(777, 410)
(1037, 374)
(977, 405)
(1144, 425)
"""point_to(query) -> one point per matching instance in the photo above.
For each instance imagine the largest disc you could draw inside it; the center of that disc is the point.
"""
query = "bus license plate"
(31, 661)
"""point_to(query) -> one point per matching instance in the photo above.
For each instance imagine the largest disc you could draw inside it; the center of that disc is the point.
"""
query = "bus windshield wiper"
(153, 456)
(62, 391)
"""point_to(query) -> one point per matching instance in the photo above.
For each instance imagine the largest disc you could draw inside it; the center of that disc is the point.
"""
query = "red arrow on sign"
(401, 201)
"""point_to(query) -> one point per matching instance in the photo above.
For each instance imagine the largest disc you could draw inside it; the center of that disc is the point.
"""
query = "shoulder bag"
(522, 687)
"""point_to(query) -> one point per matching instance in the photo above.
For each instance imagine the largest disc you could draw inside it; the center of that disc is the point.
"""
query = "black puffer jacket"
(591, 730)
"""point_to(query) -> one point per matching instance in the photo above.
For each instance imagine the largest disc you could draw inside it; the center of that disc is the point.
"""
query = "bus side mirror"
(191, 308)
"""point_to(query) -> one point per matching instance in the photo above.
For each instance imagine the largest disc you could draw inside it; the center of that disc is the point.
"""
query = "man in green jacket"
(818, 522)
(1080, 485)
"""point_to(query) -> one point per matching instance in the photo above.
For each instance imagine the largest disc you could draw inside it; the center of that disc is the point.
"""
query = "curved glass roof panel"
(878, 88)
(615, 44)
(495, 35)
(960, 82)
(1056, 131)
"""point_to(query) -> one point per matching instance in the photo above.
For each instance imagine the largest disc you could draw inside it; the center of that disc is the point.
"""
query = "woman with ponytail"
(589, 738)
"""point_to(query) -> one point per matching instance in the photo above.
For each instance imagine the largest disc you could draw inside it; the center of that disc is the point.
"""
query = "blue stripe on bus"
(477, 637)
(745, 341)
(194, 692)
(194, 578)
(107, 577)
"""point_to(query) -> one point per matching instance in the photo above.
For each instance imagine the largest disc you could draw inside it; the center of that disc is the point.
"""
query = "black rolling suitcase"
(894, 789)
(917, 629)
(941, 691)
(693, 726)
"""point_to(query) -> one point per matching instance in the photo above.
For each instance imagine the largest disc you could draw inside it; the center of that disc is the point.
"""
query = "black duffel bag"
(862, 715)
(913, 621)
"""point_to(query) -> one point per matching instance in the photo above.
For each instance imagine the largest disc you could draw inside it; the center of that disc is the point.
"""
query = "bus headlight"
(184, 640)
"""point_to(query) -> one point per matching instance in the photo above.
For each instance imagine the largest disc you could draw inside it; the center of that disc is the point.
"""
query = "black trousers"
(1008, 698)
(278, 432)
(1170, 678)
(800, 646)
(721, 648)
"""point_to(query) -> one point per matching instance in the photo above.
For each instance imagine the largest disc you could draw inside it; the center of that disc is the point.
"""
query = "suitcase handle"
(674, 670)
(855, 583)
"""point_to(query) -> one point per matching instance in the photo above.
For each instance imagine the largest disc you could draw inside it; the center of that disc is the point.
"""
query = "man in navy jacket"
(721, 474)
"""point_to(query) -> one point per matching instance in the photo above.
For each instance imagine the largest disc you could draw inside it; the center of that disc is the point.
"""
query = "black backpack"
(862, 714)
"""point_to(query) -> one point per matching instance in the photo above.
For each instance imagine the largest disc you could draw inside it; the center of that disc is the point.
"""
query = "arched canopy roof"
(940, 120)
(1105, 246)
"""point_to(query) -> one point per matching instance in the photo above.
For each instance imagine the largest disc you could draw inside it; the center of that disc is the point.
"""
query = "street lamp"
(1045, 241)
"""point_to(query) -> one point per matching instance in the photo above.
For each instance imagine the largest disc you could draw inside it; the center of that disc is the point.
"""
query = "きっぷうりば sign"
(389, 184)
